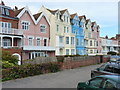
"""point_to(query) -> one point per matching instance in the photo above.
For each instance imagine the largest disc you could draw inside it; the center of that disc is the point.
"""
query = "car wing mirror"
(87, 82)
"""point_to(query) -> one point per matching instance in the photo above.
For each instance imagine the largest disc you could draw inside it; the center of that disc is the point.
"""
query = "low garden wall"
(39, 66)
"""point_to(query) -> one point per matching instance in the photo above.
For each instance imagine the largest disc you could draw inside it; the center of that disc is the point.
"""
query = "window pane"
(67, 40)
(7, 11)
(109, 85)
(96, 82)
(67, 51)
(42, 28)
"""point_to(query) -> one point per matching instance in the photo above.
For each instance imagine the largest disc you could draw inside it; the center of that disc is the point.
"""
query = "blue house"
(77, 29)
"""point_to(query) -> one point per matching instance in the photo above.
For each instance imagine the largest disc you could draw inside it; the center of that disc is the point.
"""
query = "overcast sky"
(104, 12)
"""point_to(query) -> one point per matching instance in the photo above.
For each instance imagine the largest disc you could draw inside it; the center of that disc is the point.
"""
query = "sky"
(104, 12)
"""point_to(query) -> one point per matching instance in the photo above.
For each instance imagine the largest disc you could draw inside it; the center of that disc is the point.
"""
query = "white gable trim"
(23, 11)
(43, 14)
(35, 21)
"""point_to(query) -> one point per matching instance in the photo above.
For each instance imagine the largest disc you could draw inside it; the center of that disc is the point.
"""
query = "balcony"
(61, 45)
(12, 31)
(41, 48)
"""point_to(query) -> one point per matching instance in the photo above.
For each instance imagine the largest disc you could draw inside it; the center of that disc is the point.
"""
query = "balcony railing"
(44, 48)
(9, 47)
(11, 31)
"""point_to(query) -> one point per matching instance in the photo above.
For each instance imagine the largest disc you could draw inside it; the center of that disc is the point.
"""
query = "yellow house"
(60, 31)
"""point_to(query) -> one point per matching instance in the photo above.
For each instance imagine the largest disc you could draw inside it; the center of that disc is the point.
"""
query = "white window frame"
(6, 11)
(67, 40)
(25, 25)
(61, 39)
(37, 41)
(91, 43)
(72, 51)
(3, 10)
(7, 42)
(43, 30)
(72, 40)
(67, 51)
(30, 41)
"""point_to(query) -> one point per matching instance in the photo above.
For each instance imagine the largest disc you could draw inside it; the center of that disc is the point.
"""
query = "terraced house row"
(48, 33)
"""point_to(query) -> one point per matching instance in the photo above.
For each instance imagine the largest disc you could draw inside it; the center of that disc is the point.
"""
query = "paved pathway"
(62, 79)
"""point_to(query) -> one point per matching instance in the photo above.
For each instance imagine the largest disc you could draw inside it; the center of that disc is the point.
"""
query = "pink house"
(96, 37)
(36, 34)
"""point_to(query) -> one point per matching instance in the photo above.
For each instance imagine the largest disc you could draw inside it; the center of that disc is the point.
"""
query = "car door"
(109, 85)
(95, 84)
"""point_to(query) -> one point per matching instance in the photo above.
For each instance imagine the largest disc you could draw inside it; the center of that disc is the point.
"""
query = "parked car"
(103, 82)
(110, 68)
(114, 58)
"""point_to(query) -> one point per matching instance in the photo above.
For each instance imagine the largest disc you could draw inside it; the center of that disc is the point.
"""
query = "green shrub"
(6, 64)
(28, 70)
(54, 67)
(6, 56)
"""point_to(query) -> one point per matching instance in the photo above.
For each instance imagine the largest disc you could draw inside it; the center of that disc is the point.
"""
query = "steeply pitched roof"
(80, 17)
(73, 15)
(16, 12)
(52, 11)
(93, 24)
(36, 16)
(62, 11)
(87, 21)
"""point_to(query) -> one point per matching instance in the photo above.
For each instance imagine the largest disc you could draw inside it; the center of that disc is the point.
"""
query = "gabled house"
(11, 36)
(36, 32)
(77, 29)
(60, 31)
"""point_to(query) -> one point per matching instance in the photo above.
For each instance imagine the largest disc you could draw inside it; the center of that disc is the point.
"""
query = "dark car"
(110, 68)
(103, 82)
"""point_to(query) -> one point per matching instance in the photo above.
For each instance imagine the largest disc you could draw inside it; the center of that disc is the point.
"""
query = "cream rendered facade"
(60, 31)
(89, 41)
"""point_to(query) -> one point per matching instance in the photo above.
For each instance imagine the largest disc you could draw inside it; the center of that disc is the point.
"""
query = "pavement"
(62, 79)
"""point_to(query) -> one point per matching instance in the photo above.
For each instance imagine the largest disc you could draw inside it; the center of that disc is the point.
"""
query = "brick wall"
(70, 62)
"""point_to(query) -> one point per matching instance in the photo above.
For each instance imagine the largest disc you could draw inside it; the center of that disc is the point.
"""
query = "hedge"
(29, 70)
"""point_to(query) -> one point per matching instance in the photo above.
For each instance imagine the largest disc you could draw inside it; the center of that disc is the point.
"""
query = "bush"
(6, 64)
(6, 56)
(60, 58)
(112, 53)
(28, 70)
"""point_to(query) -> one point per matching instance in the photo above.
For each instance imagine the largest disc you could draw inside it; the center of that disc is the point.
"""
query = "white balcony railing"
(11, 31)
(8, 47)
(61, 45)
(44, 48)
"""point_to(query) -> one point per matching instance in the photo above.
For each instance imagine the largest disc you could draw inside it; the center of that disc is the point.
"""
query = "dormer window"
(7, 11)
(64, 17)
(57, 15)
(67, 19)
